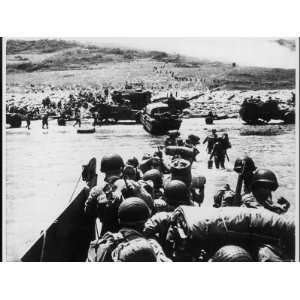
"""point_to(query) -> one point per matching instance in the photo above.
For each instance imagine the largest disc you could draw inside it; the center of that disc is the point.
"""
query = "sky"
(263, 52)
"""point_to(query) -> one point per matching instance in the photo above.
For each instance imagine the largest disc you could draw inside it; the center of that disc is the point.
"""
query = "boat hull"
(67, 238)
(86, 131)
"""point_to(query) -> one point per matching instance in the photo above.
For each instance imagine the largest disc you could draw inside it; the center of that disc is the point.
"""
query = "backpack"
(100, 250)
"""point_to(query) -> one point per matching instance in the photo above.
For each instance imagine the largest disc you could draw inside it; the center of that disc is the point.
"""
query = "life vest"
(195, 228)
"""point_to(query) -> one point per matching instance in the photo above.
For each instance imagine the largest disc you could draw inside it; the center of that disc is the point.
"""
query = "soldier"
(77, 118)
(156, 177)
(131, 173)
(211, 140)
(172, 138)
(231, 253)
(225, 141)
(226, 197)
(176, 193)
(133, 161)
(28, 119)
(154, 162)
(263, 183)
(104, 199)
(129, 244)
(45, 120)
(245, 167)
(218, 153)
(95, 118)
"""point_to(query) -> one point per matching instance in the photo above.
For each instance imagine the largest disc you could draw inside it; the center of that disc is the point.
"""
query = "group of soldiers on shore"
(70, 109)
(140, 204)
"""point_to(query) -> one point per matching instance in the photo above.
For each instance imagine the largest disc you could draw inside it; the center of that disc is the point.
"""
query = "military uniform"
(107, 248)
(218, 152)
(211, 140)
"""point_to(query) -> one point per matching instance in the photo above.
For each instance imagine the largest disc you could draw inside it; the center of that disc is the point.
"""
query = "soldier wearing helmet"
(231, 253)
(263, 183)
(156, 177)
(104, 199)
(218, 153)
(245, 167)
(172, 138)
(154, 161)
(176, 193)
(211, 140)
(132, 173)
(133, 161)
(133, 212)
(112, 165)
(226, 197)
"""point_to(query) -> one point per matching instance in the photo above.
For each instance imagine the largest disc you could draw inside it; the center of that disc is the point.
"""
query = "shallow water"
(43, 166)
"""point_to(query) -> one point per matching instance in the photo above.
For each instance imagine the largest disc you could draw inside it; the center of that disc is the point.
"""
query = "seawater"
(43, 166)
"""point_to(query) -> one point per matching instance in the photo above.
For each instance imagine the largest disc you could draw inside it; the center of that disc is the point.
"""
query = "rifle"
(226, 155)
(239, 184)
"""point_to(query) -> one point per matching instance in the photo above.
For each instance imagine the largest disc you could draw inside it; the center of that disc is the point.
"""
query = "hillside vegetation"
(62, 62)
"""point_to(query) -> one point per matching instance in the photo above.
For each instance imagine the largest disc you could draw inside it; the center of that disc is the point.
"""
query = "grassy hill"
(63, 63)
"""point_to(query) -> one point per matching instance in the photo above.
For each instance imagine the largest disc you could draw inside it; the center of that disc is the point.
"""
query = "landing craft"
(69, 236)
(158, 119)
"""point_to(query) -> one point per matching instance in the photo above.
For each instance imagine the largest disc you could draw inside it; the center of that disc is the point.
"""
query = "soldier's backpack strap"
(99, 249)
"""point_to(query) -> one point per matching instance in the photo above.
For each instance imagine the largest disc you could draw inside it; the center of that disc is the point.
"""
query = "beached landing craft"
(157, 119)
(69, 236)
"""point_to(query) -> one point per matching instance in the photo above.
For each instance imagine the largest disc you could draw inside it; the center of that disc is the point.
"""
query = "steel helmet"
(177, 193)
(265, 176)
(133, 211)
(245, 164)
(231, 253)
(133, 161)
(111, 162)
(155, 176)
(129, 171)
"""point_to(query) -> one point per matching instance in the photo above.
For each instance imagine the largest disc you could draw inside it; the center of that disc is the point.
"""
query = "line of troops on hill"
(151, 211)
